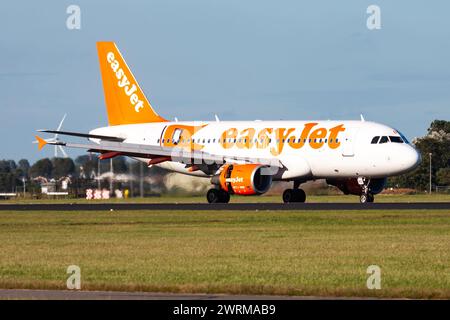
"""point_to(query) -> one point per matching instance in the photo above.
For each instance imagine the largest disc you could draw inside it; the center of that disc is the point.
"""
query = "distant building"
(47, 187)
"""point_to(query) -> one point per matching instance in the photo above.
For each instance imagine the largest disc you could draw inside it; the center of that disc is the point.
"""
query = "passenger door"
(176, 135)
(348, 143)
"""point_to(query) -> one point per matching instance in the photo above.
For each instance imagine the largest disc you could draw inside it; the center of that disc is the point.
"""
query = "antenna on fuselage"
(176, 119)
(362, 118)
(217, 118)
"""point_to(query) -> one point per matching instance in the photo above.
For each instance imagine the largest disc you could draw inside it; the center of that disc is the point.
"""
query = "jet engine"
(351, 186)
(243, 179)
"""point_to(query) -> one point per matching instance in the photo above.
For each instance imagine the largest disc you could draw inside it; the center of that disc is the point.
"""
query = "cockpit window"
(395, 139)
(403, 137)
(384, 139)
(375, 140)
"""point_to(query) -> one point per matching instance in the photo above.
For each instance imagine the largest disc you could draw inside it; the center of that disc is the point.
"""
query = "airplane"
(242, 157)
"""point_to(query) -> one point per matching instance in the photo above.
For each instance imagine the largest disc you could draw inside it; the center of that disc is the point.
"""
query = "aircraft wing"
(84, 135)
(156, 154)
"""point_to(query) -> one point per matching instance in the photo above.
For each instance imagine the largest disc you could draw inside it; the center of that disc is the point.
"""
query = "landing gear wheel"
(288, 195)
(294, 195)
(365, 198)
(213, 196)
(224, 197)
(217, 196)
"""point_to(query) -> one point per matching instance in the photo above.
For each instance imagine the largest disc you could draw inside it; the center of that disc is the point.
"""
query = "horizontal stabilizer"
(41, 142)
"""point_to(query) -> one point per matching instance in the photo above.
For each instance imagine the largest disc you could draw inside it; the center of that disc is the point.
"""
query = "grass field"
(239, 199)
(285, 252)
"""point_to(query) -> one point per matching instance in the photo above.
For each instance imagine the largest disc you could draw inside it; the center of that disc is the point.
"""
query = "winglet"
(41, 142)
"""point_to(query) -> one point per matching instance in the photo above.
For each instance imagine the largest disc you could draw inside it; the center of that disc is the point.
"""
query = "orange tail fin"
(125, 101)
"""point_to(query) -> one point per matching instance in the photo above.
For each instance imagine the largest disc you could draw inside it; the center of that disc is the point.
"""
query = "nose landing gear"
(364, 198)
(366, 195)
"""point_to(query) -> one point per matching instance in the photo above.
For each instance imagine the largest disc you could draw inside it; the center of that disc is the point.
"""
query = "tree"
(62, 167)
(23, 168)
(42, 168)
(439, 125)
(8, 178)
(443, 176)
(7, 166)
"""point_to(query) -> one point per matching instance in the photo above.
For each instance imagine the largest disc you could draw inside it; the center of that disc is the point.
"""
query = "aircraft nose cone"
(412, 158)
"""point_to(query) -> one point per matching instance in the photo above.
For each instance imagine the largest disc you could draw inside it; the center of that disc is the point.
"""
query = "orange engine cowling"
(243, 179)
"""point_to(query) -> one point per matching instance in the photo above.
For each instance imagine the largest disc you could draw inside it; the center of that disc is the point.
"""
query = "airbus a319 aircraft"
(242, 157)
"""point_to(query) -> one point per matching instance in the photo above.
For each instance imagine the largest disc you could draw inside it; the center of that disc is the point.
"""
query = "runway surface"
(25, 294)
(226, 206)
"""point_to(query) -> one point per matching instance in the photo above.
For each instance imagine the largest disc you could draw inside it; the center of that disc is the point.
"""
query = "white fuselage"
(306, 149)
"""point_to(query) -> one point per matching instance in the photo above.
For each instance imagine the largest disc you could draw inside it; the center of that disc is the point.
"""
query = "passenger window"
(384, 139)
(395, 139)
(375, 140)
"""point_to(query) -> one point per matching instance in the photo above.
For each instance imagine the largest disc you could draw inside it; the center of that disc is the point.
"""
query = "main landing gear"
(366, 195)
(217, 196)
(294, 195)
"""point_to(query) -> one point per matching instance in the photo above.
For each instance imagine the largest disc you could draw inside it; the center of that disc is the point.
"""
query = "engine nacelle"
(351, 186)
(243, 179)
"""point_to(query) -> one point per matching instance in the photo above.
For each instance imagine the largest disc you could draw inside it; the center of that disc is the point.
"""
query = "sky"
(241, 60)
